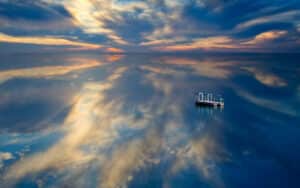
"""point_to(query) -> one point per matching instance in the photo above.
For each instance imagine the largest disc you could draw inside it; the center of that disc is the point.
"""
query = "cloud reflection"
(206, 68)
(49, 71)
(266, 78)
(79, 127)
(93, 136)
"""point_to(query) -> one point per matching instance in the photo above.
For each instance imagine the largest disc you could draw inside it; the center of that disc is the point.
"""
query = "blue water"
(90, 120)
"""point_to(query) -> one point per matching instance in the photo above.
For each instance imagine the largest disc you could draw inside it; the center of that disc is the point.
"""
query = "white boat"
(209, 100)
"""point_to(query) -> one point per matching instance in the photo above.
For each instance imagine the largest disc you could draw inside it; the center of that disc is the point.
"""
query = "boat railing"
(205, 97)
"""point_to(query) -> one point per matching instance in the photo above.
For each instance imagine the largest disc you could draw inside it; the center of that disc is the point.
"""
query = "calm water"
(89, 120)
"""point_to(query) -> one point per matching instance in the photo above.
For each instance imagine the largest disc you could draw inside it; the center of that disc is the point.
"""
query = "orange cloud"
(266, 36)
(203, 43)
(49, 41)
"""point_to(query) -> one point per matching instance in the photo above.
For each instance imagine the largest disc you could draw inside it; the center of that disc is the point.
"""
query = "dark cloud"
(131, 28)
(31, 10)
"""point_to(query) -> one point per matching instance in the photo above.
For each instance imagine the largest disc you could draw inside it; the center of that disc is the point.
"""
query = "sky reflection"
(90, 120)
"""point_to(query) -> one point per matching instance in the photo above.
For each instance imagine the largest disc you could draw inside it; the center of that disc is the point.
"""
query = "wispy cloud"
(266, 37)
(221, 42)
(289, 16)
(49, 41)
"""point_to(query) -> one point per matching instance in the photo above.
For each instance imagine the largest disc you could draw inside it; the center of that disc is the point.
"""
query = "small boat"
(204, 99)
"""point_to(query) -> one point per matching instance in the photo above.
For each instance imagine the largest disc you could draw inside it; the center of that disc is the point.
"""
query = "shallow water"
(90, 120)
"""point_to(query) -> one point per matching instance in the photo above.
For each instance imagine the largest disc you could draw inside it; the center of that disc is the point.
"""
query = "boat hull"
(207, 104)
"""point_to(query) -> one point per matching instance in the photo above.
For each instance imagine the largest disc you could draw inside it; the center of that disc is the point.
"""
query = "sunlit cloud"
(266, 37)
(159, 25)
(49, 41)
(93, 16)
(221, 42)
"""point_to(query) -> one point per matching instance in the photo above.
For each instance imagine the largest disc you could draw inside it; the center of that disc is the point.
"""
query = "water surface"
(90, 120)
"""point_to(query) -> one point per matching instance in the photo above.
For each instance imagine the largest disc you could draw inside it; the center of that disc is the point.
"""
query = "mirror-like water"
(88, 120)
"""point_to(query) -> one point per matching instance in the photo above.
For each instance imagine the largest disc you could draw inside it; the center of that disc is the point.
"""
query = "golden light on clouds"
(92, 16)
(203, 43)
(50, 41)
(266, 36)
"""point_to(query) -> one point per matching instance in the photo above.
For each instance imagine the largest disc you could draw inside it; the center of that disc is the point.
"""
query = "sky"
(120, 26)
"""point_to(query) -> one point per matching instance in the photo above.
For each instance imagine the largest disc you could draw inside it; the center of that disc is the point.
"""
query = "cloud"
(159, 25)
(223, 43)
(288, 16)
(160, 42)
(266, 37)
(49, 41)
(92, 16)
(63, 24)
(220, 42)
(34, 16)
